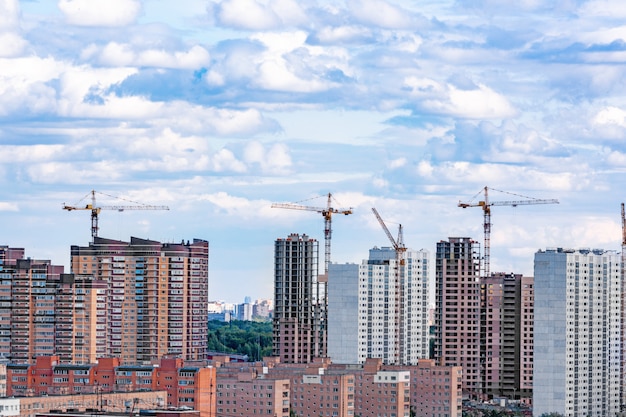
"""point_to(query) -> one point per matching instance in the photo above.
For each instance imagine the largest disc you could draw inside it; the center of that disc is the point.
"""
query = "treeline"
(241, 337)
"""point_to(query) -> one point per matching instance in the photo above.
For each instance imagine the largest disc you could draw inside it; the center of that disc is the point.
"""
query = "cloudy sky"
(217, 109)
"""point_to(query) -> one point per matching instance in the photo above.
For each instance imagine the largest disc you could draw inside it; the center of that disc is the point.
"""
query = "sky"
(219, 108)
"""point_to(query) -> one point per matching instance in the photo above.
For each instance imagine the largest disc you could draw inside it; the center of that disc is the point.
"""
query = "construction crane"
(400, 249)
(486, 206)
(327, 212)
(95, 209)
(623, 309)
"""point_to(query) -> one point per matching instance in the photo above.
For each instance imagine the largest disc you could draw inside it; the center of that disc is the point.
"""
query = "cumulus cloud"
(116, 54)
(381, 13)
(11, 42)
(275, 160)
(257, 15)
(477, 102)
(611, 116)
(109, 13)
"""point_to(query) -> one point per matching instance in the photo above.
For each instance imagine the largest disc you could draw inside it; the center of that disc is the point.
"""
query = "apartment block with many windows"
(156, 300)
(379, 308)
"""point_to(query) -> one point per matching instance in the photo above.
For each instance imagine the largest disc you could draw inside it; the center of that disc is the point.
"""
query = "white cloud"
(341, 34)
(9, 15)
(11, 45)
(11, 42)
(397, 163)
(6, 206)
(479, 103)
(258, 15)
(116, 54)
(225, 160)
(276, 73)
(32, 154)
(613, 9)
(610, 116)
(617, 158)
(100, 12)
(381, 13)
(276, 160)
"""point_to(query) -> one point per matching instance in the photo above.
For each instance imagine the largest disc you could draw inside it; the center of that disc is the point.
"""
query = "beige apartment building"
(156, 300)
(137, 300)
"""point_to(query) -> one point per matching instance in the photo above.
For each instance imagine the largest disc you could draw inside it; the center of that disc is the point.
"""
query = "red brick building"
(187, 384)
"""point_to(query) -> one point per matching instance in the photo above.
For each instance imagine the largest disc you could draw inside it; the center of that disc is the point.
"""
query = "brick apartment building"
(137, 300)
(322, 388)
(187, 384)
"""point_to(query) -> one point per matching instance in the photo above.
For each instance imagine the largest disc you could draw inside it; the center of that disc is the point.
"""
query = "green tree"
(241, 337)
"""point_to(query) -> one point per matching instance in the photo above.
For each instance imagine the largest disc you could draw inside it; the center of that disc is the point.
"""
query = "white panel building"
(370, 315)
(577, 332)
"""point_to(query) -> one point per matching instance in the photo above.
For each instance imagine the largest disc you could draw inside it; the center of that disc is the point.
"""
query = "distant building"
(299, 323)
(370, 315)
(244, 312)
(577, 325)
(156, 298)
(458, 309)
(262, 309)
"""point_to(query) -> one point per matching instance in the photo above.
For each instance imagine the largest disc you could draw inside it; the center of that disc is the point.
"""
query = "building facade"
(156, 298)
(506, 335)
(375, 313)
(244, 394)
(38, 302)
(186, 384)
(577, 325)
(458, 309)
(299, 324)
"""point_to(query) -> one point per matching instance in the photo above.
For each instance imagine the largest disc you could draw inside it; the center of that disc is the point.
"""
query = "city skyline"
(218, 109)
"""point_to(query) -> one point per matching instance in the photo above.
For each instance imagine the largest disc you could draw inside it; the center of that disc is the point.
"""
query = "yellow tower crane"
(327, 212)
(486, 206)
(400, 249)
(95, 209)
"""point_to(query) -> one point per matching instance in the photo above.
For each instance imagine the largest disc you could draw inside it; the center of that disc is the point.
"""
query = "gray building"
(577, 332)
(299, 324)
(375, 313)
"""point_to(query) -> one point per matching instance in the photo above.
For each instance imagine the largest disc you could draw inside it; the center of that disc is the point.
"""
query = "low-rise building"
(187, 384)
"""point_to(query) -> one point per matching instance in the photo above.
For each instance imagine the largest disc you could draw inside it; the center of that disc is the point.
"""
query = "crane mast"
(327, 212)
(486, 205)
(95, 209)
(400, 249)
(623, 313)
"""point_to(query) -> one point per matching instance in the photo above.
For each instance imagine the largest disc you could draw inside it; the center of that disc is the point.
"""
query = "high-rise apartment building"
(577, 324)
(506, 335)
(458, 309)
(299, 299)
(156, 298)
(27, 305)
(44, 311)
(370, 315)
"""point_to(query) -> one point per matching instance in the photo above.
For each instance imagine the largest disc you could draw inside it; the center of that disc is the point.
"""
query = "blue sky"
(220, 108)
